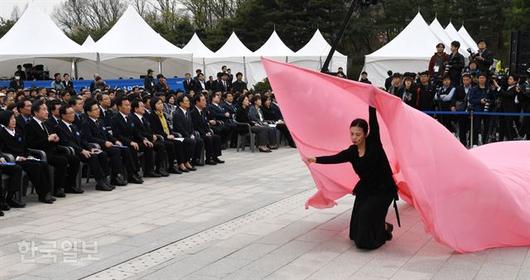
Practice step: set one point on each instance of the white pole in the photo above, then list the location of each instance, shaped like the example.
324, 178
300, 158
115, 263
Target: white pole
245, 68
159, 65
98, 62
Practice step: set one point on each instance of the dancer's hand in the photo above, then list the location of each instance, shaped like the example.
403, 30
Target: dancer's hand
311, 160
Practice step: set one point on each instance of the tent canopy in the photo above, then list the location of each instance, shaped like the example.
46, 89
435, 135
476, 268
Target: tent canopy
317, 46
89, 43
438, 31
131, 36
274, 47
416, 41
197, 47
469, 40
410, 50
46, 39
233, 47
453, 34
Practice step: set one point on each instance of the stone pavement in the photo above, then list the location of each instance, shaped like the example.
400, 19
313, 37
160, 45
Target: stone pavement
241, 220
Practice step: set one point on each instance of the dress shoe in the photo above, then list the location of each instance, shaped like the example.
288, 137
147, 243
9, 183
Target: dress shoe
174, 170
103, 187
135, 179
75, 190
184, 170
1, 214
263, 150
15, 203
197, 163
218, 160
152, 174
118, 180
59, 193
163, 172
46, 199
274, 147
110, 185
211, 162
4, 206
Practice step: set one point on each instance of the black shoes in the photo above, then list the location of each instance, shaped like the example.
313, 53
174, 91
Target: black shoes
75, 190
15, 203
211, 162
174, 170
218, 160
118, 180
46, 199
135, 179
59, 193
162, 172
152, 174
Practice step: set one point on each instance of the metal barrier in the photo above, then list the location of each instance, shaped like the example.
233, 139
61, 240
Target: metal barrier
472, 114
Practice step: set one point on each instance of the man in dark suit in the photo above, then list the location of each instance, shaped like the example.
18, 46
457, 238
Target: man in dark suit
55, 117
239, 85
92, 131
106, 113
212, 142
77, 104
484, 57
149, 82
41, 137
183, 126
70, 136
189, 83
24, 109
220, 121
142, 133
221, 84
123, 132
200, 84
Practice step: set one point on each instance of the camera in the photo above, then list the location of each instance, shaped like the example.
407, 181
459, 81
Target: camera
487, 105
472, 54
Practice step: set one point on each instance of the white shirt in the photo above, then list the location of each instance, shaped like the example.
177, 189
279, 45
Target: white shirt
124, 116
10, 131
41, 124
140, 117
68, 125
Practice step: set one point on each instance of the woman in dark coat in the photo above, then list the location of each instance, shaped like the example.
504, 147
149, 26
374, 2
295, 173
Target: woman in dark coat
12, 142
376, 188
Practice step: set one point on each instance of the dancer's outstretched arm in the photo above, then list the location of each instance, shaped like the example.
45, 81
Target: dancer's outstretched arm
344, 156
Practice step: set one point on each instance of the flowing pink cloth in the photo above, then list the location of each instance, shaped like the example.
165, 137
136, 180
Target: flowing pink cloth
469, 200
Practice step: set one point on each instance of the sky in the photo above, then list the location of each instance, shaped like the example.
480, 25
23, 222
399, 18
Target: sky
6, 6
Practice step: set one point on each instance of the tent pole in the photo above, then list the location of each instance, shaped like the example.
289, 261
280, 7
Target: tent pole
159, 65
204, 66
245, 68
98, 62
72, 73
192, 64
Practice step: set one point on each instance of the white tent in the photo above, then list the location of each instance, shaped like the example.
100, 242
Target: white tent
131, 46
469, 40
274, 48
89, 42
314, 53
36, 39
409, 51
200, 52
444, 37
453, 34
233, 54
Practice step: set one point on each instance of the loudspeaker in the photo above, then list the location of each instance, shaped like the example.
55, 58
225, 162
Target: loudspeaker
520, 53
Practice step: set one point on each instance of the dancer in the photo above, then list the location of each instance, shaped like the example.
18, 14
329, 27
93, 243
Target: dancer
376, 188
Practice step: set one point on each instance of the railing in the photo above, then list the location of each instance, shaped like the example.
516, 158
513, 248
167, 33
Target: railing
472, 115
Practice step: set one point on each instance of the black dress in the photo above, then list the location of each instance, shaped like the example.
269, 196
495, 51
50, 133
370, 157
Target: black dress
375, 190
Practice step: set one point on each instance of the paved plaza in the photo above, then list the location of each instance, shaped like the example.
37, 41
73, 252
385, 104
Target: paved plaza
241, 220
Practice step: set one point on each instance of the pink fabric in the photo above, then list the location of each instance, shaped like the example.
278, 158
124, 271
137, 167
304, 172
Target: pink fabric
469, 200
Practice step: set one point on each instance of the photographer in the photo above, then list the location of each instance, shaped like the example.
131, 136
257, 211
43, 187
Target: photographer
523, 96
444, 100
507, 105
455, 64
437, 64
484, 57
479, 102
461, 103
